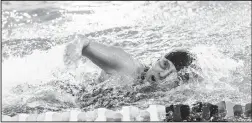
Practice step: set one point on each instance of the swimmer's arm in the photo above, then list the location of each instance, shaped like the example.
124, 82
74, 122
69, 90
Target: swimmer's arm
97, 53
108, 58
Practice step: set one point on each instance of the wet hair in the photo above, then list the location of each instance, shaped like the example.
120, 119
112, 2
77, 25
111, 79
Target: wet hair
180, 58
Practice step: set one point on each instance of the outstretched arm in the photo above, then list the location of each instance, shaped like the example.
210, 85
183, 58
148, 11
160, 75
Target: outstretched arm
109, 58
106, 57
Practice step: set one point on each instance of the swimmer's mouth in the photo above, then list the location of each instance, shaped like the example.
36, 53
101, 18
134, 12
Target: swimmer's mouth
161, 76
165, 74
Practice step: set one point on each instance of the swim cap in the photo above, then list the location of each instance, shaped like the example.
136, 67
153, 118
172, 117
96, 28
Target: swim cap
180, 58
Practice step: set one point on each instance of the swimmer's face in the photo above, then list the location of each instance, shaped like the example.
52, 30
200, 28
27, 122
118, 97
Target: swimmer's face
160, 70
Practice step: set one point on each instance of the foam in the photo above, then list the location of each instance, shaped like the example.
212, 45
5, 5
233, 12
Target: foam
126, 113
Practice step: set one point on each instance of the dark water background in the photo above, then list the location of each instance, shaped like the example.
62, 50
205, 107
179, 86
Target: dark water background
34, 35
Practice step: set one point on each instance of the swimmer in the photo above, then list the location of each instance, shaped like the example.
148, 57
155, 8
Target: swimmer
114, 60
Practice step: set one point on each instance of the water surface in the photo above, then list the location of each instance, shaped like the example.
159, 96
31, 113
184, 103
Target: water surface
35, 33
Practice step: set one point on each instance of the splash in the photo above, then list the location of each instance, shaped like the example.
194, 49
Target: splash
34, 38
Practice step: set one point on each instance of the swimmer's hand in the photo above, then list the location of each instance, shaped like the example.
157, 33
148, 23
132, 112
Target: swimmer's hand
73, 50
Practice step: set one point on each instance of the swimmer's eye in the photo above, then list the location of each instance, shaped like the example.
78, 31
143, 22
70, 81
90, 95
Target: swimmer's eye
166, 65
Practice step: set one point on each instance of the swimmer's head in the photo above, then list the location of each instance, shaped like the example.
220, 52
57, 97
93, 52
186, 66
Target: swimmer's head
160, 70
168, 65
181, 58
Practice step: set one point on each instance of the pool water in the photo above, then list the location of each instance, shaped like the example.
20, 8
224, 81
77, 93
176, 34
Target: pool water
34, 35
